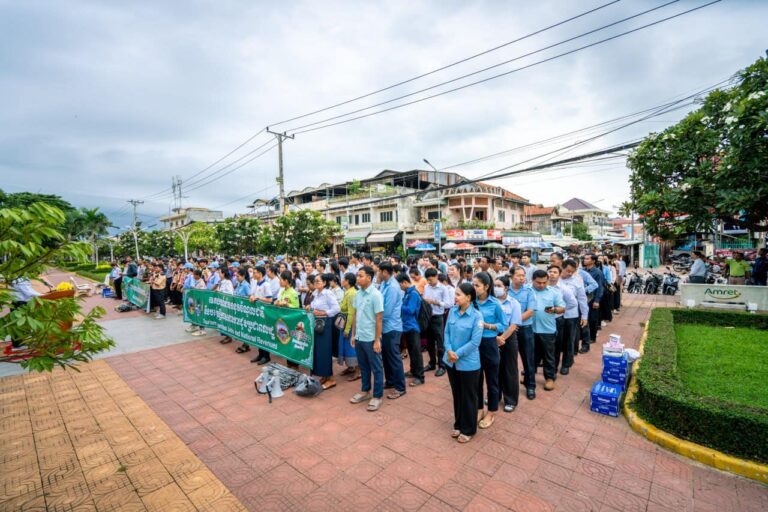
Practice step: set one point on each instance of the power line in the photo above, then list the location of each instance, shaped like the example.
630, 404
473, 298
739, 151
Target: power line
199, 185
447, 66
477, 72
246, 196
596, 43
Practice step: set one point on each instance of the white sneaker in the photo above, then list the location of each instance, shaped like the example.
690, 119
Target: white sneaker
191, 328
201, 332
159, 316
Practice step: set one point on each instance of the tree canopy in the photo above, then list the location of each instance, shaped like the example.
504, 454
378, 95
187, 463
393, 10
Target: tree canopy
712, 166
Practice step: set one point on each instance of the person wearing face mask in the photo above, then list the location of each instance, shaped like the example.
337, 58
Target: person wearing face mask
508, 346
494, 324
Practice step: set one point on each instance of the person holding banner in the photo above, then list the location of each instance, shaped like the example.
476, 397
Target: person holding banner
324, 307
197, 283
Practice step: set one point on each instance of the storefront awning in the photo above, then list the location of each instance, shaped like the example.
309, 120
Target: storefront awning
627, 242
355, 237
382, 237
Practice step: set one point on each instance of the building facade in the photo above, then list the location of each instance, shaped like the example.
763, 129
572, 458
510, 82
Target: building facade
181, 217
399, 209
579, 210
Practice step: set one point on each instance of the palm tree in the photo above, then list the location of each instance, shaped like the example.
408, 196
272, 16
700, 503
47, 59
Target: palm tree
93, 224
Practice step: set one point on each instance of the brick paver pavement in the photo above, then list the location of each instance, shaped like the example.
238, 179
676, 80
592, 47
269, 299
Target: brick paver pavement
85, 441
326, 454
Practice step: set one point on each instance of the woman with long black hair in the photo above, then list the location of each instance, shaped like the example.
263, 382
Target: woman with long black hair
494, 323
463, 333
324, 307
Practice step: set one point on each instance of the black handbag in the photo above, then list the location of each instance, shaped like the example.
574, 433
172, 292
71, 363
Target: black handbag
319, 325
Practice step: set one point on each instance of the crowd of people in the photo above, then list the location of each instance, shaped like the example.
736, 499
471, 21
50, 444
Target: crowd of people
478, 321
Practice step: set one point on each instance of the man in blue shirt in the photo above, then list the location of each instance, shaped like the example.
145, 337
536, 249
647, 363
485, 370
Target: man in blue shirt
549, 304
394, 375
524, 295
365, 336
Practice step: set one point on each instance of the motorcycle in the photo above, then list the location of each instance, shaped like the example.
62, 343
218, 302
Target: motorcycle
652, 283
671, 283
634, 283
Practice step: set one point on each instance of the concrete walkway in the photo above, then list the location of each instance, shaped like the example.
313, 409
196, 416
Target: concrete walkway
326, 454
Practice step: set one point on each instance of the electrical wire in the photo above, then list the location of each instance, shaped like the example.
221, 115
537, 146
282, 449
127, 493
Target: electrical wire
447, 66
558, 56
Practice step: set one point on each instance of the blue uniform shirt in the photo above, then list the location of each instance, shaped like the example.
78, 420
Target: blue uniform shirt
393, 303
543, 322
512, 311
213, 280
189, 282
463, 332
410, 310
524, 296
243, 289
492, 314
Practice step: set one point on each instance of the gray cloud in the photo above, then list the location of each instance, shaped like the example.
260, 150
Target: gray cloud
103, 102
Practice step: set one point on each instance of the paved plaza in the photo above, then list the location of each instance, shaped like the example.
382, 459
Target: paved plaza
181, 427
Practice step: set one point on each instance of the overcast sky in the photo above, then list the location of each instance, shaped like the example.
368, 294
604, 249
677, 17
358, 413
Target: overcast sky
106, 101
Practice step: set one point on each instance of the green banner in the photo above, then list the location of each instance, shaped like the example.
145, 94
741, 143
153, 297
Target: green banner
286, 332
136, 292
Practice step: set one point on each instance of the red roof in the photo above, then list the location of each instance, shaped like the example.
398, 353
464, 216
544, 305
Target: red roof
535, 210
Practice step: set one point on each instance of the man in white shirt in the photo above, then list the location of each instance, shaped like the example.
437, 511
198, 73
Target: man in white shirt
439, 298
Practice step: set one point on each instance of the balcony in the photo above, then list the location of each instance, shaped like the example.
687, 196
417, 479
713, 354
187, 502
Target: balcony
364, 194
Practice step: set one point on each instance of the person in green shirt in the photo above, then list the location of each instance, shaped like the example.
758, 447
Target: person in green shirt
347, 353
288, 296
738, 269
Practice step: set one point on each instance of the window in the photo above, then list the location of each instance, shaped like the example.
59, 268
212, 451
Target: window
357, 220
386, 217
479, 214
512, 218
435, 215
502, 215
338, 220
366, 218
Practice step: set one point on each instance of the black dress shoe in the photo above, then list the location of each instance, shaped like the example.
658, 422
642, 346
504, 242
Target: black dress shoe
259, 360
584, 349
429, 367
530, 394
440, 372
564, 371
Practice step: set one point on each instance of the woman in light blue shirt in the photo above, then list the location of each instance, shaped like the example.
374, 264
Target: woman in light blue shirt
494, 323
509, 373
463, 333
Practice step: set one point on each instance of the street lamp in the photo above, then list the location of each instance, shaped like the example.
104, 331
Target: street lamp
439, 208
132, 229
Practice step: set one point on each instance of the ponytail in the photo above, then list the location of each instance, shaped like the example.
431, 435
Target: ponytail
469, 290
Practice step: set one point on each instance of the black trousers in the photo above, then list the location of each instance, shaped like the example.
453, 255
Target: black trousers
489, 366
606, 306
509, 373
594, 322
413, 345
157, 299
435, 346
464, 387
118, 287
559, 334
565, 343
617, 297
525, 344
547, 344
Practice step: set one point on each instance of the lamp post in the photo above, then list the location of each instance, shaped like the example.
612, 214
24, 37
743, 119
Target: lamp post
439, 209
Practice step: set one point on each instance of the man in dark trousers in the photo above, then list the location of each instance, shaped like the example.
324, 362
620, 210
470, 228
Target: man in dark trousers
594, 300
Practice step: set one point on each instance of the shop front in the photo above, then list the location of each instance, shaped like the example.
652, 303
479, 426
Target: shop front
384, 241
355, 240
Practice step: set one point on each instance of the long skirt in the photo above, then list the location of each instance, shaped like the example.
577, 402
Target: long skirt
323, 354
347, 353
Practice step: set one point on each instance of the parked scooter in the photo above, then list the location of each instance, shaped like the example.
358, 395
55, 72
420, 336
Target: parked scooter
652, 283
671, 283
634, 283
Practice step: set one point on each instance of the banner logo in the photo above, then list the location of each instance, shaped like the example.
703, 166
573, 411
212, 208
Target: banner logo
282, 331
722, 293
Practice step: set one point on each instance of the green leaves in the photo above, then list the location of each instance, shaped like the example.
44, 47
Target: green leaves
31, 238
712, 166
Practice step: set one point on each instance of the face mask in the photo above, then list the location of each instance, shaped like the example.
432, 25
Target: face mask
498, 291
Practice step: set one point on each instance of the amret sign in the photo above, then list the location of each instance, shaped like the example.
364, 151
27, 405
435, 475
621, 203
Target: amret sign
725, 294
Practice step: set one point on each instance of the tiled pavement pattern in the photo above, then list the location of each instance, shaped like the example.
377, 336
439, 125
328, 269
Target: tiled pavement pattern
85, 441
326, 454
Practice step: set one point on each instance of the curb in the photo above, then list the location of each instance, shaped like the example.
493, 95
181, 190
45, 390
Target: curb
697, 452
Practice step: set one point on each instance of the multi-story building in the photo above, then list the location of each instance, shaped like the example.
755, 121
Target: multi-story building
184, 216
396, 208
579, 210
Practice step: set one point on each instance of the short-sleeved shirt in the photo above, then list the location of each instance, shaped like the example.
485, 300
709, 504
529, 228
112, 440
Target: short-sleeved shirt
291, 296
368, 303
737, 268
524, 296
543, 322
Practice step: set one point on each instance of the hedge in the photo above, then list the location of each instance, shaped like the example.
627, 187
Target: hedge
663, 399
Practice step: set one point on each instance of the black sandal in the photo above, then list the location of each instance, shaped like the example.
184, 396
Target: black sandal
242, 349
226, 340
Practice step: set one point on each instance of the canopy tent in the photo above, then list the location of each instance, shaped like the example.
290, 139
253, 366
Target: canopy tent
464, 246
450, 246
493, 245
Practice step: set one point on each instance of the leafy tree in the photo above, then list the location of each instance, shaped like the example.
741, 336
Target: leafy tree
197, 236
31, 237
94, 224
301, 232
239, 235
712, 166
581, 231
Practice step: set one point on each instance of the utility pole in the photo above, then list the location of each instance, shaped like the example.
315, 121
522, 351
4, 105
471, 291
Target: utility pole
439, 222
135, 203
280, 179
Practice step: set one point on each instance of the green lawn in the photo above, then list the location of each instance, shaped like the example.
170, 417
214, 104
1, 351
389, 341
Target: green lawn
726, 363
